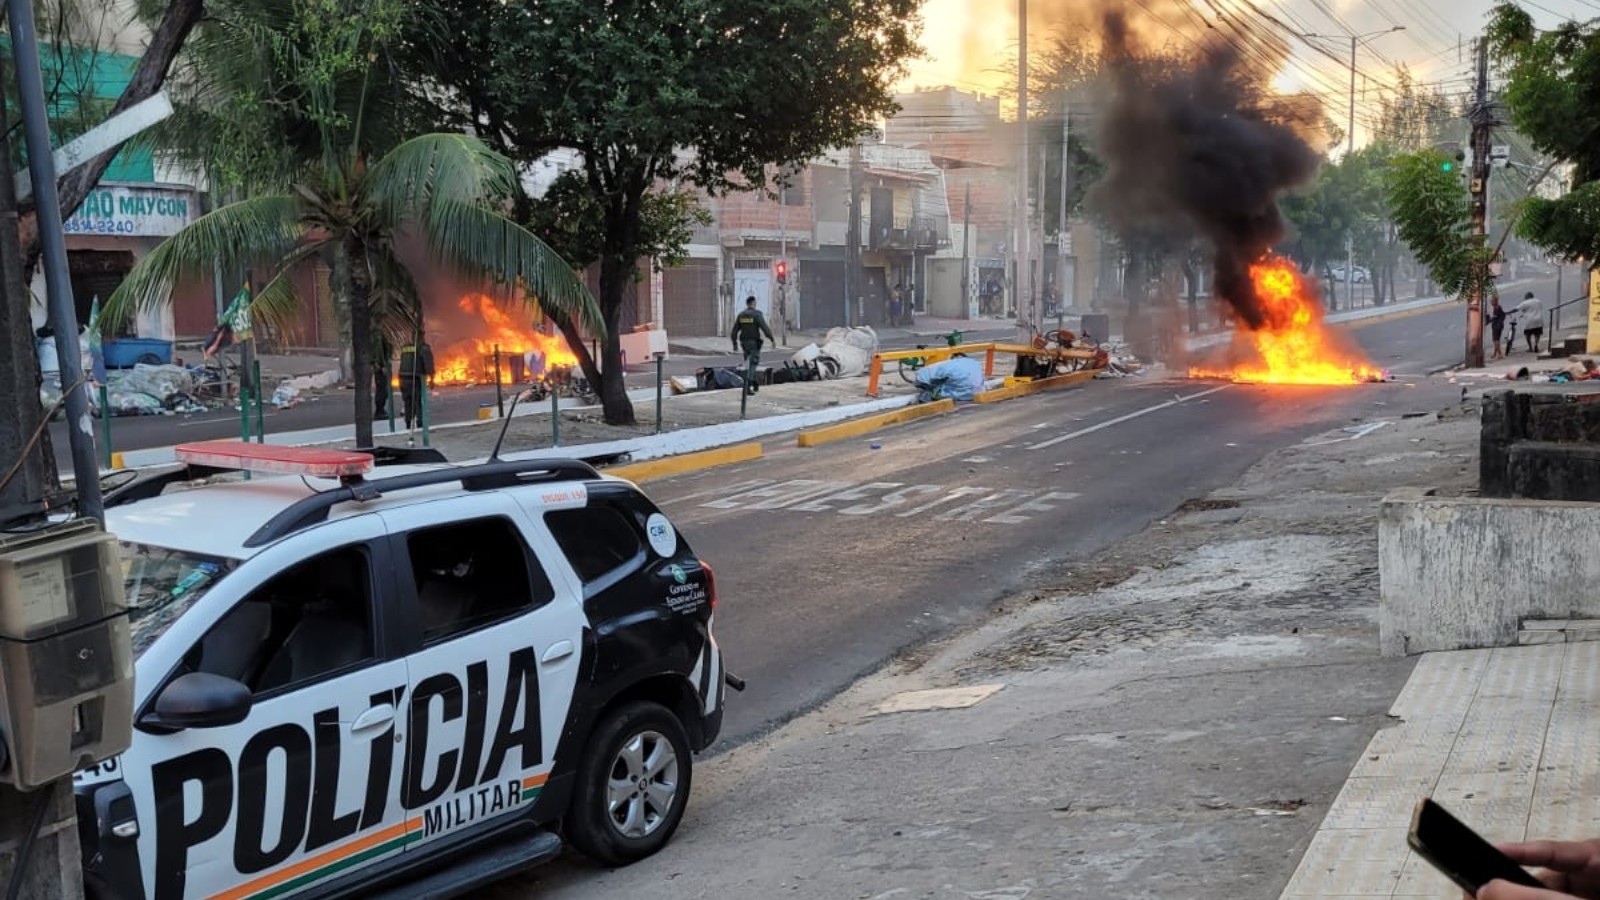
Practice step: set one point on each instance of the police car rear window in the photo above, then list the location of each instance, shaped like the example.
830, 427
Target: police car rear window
596, 539
161, 585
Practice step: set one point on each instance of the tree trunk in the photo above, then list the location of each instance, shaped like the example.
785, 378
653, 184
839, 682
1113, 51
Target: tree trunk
358, 293
19, 366
614, 274
148, 77
1191, 276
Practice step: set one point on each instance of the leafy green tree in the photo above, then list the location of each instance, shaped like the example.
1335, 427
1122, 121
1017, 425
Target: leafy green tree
708, 92
1552, 91
296, 100
570, 217
1433, 215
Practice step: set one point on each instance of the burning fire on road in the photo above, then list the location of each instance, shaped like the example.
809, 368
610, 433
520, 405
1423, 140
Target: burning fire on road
1292, 344
476, 327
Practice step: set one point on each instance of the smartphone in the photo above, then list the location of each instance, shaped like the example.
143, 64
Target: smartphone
1457, 851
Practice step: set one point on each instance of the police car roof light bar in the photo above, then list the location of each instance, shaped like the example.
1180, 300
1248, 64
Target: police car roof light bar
310, 510
268, 458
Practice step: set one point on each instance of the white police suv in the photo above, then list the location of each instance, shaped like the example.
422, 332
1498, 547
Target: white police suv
403, 685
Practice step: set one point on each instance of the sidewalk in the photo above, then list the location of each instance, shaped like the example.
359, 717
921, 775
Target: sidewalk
927, 328
1503, 738
1173, 720
690, 422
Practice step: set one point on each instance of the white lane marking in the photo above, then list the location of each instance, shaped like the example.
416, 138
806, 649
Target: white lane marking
1356, 433
1005, 506
1120, 419
222, 418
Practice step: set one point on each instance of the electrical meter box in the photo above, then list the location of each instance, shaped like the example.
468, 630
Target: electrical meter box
66, 658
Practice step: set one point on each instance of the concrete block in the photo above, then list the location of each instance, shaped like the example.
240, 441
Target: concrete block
1529, 638
1545, 470
1547, 624
1582, 635
1497, 432
1459, 572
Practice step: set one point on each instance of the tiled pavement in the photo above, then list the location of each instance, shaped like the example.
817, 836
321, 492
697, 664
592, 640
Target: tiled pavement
1507, 739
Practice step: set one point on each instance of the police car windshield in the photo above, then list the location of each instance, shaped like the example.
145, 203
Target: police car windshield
162, 585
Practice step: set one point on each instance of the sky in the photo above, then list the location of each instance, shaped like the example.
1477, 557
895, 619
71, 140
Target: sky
967, 40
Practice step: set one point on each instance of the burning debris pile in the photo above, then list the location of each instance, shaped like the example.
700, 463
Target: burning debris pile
1292, 345
475, 325
1198, 149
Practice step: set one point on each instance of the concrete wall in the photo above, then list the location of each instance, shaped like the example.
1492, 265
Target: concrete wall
1465, 572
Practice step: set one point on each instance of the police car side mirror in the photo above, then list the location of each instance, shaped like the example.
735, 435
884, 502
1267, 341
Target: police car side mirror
199, 700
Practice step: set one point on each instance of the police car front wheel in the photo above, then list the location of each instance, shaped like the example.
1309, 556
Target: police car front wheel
632, 786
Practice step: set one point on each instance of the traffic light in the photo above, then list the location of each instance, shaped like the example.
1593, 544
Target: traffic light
1454, 164
783, 271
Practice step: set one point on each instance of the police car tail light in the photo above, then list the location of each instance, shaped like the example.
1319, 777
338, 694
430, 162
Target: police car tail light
243, 456
711, 583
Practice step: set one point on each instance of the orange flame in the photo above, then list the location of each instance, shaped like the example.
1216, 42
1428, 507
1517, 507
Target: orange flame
471, 360
1295, 346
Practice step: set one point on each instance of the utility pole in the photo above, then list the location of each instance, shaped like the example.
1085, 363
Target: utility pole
966, 258
1482, 124
852, 275
1061, 211
1027, 314
53, 247
39, 851
783, 255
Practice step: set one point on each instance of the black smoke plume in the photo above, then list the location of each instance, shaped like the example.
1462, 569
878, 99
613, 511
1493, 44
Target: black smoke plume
1194, 146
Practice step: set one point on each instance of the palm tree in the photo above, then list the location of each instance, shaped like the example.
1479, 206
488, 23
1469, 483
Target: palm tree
311, 78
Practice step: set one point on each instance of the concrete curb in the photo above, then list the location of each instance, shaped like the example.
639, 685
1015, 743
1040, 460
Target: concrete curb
819, 436
1407, 313
685, 463
1033, 387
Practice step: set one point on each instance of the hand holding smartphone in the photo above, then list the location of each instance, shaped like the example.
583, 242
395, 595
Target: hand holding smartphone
1457, 851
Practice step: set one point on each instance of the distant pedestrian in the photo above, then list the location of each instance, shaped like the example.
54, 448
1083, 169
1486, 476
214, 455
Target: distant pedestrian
748, 326
992, 297
1531, 313
416, 367
897, 301
1497, 326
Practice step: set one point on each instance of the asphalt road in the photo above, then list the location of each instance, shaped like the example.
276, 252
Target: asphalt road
453, 404
829, 561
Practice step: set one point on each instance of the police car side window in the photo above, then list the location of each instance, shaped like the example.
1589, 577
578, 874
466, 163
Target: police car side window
597, 540
304, 623
471, 574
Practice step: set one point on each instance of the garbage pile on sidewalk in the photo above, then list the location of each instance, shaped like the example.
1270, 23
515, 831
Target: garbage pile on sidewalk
843, 353
144, 390
1575, 369
164, 390
1122, 363
287, 393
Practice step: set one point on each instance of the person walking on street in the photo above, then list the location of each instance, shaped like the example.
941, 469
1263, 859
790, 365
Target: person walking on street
748, 326
1531, 313
416, 367
1497, 326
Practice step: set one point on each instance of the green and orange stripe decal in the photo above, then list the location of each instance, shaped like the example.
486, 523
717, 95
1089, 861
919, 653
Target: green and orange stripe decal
379, 843
315, 868
533, 785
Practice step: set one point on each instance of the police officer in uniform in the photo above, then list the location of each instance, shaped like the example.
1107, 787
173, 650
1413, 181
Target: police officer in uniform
382, 375
748, 327
416, 367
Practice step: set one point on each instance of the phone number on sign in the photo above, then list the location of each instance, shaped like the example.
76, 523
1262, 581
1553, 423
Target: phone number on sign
99, 226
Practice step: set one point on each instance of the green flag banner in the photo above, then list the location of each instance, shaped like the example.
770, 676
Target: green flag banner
237, 315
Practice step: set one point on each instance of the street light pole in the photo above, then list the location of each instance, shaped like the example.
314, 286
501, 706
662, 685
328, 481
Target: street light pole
1356, 40
1026, 314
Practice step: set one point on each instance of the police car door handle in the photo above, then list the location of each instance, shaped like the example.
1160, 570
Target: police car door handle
376, 717
558, 651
